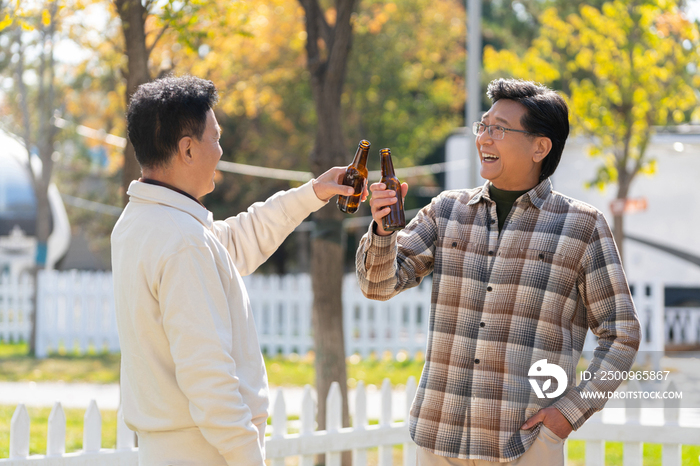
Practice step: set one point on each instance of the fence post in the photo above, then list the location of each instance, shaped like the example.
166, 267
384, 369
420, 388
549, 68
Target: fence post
25, 305
658, 327
279, 422
409, 449
125, 437
334, 420
633, 452
308, 422
40, 309
671, 454
19, 433
595, 449
92, 429
385, 421
56, 435
359, 422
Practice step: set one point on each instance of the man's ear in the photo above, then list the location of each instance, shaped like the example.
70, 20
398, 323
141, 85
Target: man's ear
184, 147
542, 147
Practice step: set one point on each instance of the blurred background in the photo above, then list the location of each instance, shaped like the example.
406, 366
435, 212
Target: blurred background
413, 79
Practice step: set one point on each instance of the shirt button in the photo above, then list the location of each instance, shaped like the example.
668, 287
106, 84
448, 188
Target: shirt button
454, 245
490, 253
541, 256
476, 361
482, 324
492, 222
488, 288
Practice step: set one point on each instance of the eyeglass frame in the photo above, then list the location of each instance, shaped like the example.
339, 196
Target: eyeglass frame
477, 124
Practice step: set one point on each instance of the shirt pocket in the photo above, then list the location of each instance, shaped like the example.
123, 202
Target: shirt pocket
549, 271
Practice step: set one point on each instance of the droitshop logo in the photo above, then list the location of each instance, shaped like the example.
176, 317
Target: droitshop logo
542, 368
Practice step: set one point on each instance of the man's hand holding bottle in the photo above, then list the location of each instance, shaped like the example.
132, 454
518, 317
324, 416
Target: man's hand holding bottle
380, 201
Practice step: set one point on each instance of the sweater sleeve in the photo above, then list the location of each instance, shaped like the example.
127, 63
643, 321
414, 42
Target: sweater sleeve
611, 317
251, 237
196, 320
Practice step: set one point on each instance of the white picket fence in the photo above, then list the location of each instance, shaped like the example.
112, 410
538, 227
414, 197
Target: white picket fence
282, 310
15, 306
307, 442
76, 312
92, 452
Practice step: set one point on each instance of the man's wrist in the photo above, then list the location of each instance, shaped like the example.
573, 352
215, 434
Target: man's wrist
375, 230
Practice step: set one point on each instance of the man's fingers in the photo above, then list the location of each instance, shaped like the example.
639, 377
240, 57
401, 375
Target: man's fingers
534, 420
377, 187
379, 203
404, 189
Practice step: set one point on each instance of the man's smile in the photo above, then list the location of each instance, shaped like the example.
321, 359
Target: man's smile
486, 157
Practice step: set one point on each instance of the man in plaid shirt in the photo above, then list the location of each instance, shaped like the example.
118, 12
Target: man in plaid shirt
520, 273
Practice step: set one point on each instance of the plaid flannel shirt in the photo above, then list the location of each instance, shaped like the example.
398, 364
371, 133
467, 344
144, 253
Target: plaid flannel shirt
499, 305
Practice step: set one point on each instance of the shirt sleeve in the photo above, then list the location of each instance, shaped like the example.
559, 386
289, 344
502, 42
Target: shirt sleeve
387, 265
196, 320
611, 317
251, 237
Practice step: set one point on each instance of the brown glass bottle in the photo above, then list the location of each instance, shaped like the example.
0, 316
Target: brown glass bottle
396, 220
355, 176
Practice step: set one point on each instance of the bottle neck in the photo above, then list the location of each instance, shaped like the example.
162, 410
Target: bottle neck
387, 165
360, 159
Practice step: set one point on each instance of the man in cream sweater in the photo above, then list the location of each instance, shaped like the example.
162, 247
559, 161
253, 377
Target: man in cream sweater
193, 380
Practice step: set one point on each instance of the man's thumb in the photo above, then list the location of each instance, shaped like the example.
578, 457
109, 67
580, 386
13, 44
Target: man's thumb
532, 421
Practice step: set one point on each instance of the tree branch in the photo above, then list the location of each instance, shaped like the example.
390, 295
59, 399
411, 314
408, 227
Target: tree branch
311, 10
158, 37
327, 33
342, 39
23, 94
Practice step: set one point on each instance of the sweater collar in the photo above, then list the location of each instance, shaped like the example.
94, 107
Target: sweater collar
157, 194
537, 195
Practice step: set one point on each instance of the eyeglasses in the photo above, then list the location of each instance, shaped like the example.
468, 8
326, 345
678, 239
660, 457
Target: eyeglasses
495, 131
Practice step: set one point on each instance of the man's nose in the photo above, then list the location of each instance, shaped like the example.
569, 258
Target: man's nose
484, 137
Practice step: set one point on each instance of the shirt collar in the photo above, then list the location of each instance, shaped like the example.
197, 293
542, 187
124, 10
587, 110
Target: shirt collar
537, 195
169, 186
154, 194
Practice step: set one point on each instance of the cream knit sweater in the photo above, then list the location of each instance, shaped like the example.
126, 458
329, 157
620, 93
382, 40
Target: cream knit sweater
193, 381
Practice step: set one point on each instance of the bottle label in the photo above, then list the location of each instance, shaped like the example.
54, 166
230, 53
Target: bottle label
355, 179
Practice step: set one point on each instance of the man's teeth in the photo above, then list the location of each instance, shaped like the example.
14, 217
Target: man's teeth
490, 157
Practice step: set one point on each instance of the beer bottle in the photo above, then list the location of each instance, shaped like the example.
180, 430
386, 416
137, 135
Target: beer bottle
396, 220
355, 176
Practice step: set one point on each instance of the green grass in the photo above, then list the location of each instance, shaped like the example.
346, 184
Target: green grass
38, 418
613, 454
17, 366
297, 372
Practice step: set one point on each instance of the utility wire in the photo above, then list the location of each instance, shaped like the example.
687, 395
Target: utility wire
92, 205
265, 172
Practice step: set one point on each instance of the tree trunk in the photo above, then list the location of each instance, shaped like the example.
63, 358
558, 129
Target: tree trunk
327, 262
45, 141
327, 50
623, 186
133, 17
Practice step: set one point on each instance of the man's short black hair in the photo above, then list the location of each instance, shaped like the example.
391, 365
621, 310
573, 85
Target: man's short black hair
164, 111
547, 114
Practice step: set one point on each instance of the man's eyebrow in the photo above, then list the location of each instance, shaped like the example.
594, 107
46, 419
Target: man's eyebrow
499, 119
